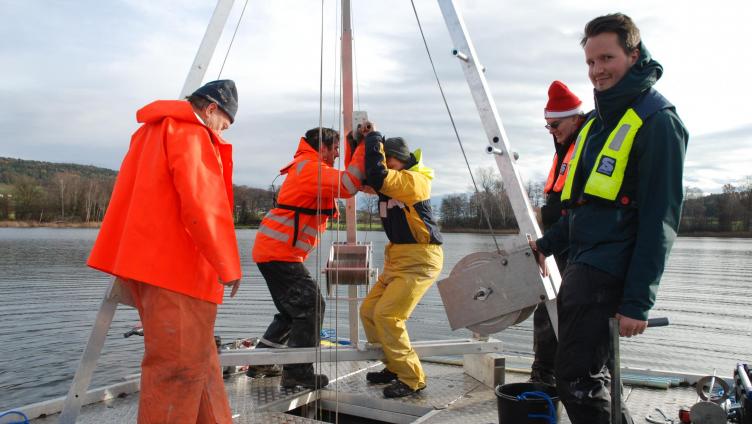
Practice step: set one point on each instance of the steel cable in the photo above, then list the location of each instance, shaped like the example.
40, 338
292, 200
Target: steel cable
240, 19
454, 126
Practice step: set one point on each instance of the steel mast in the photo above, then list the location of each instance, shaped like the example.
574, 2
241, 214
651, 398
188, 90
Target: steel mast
351, 216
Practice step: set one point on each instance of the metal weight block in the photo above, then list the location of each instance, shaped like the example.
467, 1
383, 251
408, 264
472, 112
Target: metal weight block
487, 292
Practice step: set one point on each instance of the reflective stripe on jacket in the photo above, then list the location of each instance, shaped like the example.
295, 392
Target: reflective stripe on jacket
290, 231
169, 222
557, 175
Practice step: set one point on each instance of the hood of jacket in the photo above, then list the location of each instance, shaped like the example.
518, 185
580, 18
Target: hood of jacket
160, 109
416, 164
610, 104
180, 110
304, 151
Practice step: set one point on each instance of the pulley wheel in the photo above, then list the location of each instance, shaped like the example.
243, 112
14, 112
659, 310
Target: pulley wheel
705, 392
500, 323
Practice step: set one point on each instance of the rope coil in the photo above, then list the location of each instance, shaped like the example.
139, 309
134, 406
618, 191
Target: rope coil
551, 416
21, 414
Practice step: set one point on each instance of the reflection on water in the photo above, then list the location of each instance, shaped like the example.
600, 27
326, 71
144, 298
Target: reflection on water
48, 300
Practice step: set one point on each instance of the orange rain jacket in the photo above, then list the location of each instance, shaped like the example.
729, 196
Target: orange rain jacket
292, 229
556, 177
169, 222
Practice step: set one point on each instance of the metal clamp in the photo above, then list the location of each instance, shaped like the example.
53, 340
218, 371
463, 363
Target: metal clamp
463, 57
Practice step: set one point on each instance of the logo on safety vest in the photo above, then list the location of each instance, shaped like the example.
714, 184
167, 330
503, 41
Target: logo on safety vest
606, 166
563, 169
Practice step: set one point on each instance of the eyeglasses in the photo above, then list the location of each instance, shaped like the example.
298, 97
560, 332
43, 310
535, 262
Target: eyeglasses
553, 125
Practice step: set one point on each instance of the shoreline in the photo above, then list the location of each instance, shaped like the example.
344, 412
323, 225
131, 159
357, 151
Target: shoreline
506, 231
58, 224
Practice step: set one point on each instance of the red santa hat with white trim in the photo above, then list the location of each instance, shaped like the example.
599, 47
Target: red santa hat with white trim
561, 102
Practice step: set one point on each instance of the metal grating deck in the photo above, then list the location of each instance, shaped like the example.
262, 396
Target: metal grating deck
451, 397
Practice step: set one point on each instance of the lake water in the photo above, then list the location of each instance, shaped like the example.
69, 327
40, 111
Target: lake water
49, 298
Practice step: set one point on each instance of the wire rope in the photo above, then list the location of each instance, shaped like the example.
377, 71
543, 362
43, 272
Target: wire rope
318, 209
354, 58
337, 111
454, 126
335, 108
240, 19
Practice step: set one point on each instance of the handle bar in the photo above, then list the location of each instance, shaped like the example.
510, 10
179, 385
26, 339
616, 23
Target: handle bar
658, 322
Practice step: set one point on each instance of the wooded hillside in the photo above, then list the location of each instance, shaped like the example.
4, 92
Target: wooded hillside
54, 192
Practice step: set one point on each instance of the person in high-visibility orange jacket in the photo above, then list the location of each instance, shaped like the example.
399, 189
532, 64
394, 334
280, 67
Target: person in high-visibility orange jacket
168, 235
288, 233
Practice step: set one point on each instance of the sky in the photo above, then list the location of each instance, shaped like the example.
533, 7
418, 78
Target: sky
75, 72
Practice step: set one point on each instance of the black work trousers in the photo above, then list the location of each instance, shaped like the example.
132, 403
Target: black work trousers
544, 338
587, 299
301, 309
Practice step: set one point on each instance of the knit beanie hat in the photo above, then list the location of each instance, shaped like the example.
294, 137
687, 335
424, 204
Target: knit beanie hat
223, 93
561, 102
397, 147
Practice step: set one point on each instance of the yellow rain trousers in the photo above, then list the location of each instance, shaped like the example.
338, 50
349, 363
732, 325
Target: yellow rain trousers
409, 270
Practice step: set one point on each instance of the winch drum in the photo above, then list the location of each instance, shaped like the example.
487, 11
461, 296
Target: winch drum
487, 292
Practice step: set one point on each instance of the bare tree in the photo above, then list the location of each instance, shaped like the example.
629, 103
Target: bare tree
89, 203
454, 208
727, 207
694, 211
535, 193
372, 207
745, 192
27, 197
68, 186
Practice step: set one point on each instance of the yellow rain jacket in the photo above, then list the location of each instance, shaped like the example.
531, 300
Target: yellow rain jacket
404, 196
412, 260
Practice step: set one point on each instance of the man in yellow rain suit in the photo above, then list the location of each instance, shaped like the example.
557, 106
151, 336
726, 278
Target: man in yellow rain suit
412, 259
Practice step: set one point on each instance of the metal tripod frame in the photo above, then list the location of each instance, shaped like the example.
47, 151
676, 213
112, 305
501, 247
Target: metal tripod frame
498, 145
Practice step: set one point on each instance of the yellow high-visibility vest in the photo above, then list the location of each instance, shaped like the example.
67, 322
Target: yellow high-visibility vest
607, 176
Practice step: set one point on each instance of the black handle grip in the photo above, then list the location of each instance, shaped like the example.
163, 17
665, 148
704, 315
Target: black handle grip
658, 322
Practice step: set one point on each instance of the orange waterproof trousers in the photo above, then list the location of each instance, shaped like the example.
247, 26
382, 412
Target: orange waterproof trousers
181, 380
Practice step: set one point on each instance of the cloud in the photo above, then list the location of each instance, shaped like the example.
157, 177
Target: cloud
708, 164
77, 72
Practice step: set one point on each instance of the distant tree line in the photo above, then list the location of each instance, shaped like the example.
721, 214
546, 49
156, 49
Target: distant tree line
490, 203
45, 192
727, 212
53, 192
251, 204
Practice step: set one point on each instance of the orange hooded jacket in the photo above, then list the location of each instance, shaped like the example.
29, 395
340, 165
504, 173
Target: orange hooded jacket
290, 231
169, 222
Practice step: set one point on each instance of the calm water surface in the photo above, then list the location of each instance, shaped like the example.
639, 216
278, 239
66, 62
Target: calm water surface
49, 298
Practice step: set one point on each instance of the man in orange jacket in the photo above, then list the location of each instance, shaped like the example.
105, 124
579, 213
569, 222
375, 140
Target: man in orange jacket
168, 235
288, 233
